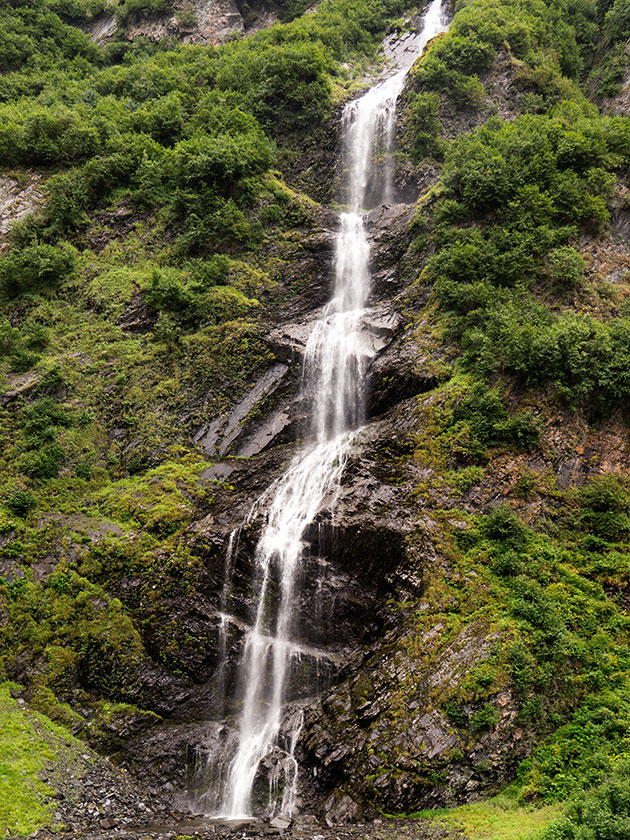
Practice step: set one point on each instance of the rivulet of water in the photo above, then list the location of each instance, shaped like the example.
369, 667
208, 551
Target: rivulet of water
335, 366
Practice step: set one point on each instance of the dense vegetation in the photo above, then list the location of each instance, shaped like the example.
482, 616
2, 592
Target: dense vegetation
521, 299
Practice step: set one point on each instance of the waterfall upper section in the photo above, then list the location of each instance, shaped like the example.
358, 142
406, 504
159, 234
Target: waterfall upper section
334, 386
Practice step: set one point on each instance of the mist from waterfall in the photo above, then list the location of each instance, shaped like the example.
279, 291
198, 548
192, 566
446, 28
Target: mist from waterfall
334, 380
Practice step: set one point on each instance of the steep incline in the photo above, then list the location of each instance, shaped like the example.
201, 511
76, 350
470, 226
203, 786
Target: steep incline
473, 583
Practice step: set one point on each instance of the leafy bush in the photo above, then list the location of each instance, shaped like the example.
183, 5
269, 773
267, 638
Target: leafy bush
484, 718
600, 814
193, 297
34, 34
545, 176
41, 423
617, 21
502, 525
606, 508
422, 125
20, 502
35, 267
565, 266
285, 84
480, 419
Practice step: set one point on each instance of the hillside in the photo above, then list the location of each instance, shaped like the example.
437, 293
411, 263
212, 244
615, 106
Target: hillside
169, 198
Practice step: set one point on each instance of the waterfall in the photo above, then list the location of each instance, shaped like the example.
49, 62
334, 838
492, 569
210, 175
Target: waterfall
335, 365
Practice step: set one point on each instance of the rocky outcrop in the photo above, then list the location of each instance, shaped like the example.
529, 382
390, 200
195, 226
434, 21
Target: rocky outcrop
205, 22
18, 198
381, 739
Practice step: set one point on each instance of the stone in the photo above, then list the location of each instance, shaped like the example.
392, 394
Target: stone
108, 822
282, 822
18, 198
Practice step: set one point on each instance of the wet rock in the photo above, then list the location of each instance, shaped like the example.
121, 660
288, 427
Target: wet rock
341, 808
400, 372
388, 229
283, 427
288, 342
281, 822
138, 316
221, 433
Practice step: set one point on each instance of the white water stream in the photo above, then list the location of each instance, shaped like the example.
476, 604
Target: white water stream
336, 359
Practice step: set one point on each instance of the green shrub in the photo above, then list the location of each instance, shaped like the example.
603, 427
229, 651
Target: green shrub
20, 502
600, 814
35, 268
41, 423
606, 508
545, 176
286, 84
484, 718
43, 463
422, 126
565, 267
507, 564
502, 525
480, 419
22, 360
617, 22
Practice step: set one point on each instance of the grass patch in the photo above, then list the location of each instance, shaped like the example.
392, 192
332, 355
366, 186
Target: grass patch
28, 743
497, 819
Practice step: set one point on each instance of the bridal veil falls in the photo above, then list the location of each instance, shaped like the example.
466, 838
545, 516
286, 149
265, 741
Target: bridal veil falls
334, 387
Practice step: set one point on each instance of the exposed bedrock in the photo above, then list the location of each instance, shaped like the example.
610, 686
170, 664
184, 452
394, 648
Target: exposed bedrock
380, 739
271, 412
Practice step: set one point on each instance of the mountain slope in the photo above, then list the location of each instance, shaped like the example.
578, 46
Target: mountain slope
155, 308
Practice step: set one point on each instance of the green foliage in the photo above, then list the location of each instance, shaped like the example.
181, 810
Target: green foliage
178, 129
41, 424
611, 73
583, 752
480, 420
422, 125
600, 814
35, 268
565, 267
77, 630
484, 718
286, 84
20, 502
22, 346
547, 38
33, 34
605, 503
617, 21
194, 297
568, 644
546, 177
502, 525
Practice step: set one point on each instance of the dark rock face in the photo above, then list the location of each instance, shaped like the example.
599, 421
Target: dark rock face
396, 374
138, 317
359, 740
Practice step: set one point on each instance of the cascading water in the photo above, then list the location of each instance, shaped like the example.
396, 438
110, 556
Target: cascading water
335, 364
